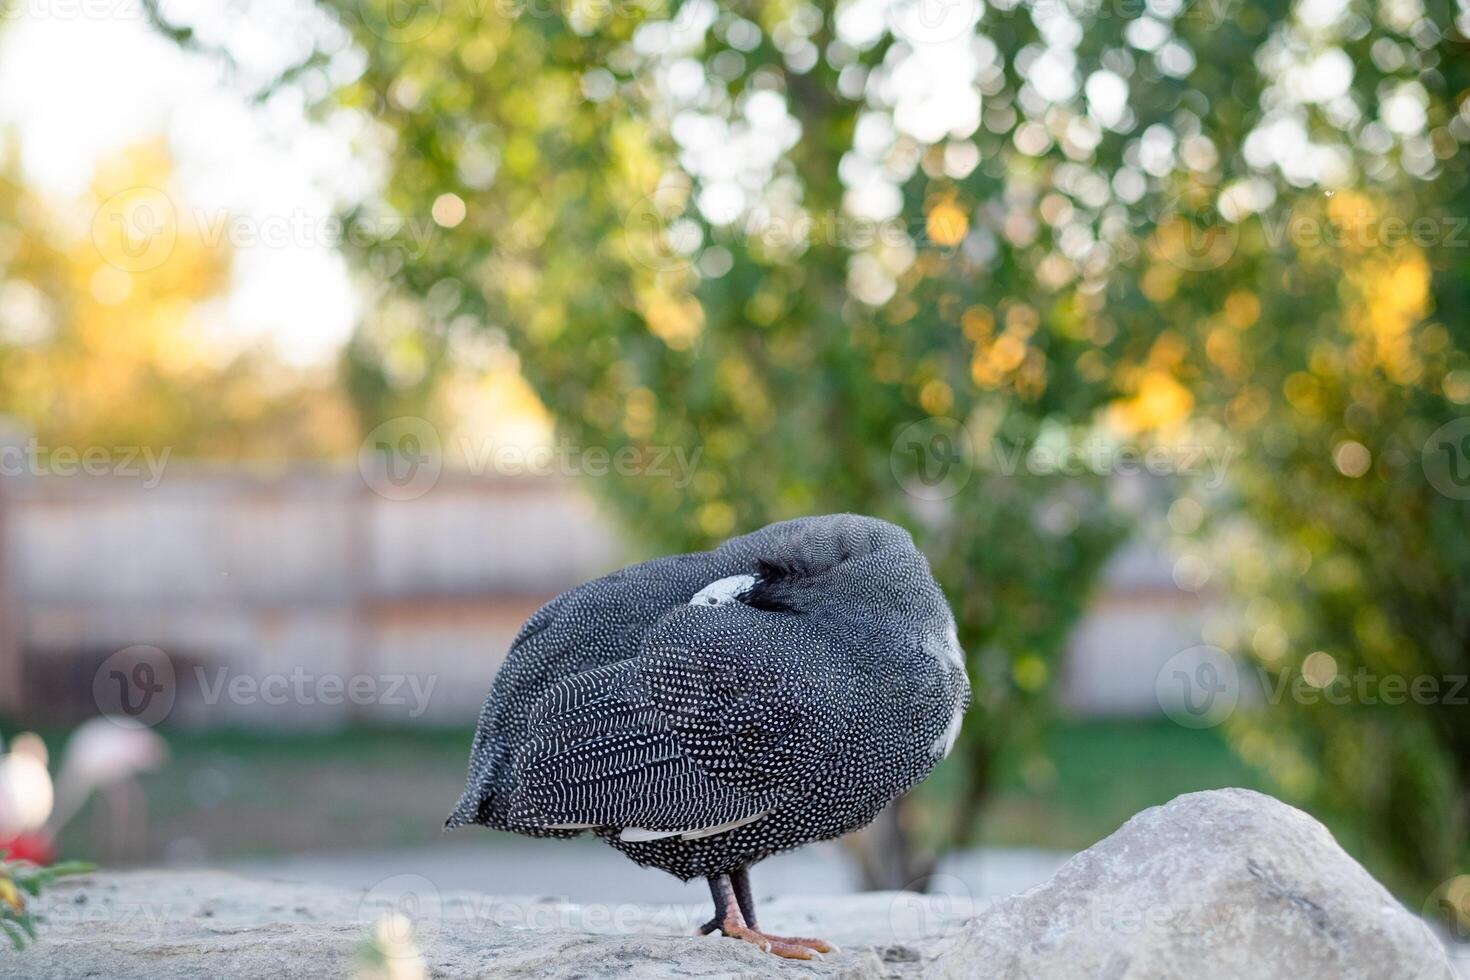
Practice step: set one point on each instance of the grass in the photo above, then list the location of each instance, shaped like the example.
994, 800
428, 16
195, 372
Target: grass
237, 793
228, 794
1096, 774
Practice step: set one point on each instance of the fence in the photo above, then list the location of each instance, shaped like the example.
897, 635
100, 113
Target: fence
302, 578
272, 594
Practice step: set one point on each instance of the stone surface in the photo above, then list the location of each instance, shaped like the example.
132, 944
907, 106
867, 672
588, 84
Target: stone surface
157, 925
1227, 884
1224, 885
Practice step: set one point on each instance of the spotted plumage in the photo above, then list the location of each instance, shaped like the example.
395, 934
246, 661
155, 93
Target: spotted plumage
702, 712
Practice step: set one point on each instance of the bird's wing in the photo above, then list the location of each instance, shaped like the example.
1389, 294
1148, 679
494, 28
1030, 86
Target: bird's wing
593, 625
758, 699
726, 712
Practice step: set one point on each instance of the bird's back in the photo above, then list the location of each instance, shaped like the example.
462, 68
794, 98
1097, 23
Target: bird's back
701, 739
596, 624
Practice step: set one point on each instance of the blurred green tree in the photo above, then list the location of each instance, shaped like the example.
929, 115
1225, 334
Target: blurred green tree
1325, 336
774, 337
105, 313
867, 255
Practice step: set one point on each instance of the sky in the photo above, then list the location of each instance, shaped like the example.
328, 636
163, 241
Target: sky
80, 81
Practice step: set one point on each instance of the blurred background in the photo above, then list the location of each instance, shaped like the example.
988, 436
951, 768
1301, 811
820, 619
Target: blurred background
336, 337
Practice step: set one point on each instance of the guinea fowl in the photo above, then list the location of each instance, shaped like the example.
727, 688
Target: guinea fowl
702, 712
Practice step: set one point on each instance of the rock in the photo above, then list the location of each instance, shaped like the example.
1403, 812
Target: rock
161, 925
1226, 884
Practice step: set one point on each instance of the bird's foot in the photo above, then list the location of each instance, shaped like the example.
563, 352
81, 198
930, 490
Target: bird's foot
790, 947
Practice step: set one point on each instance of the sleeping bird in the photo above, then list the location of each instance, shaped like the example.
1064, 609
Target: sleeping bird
702, 712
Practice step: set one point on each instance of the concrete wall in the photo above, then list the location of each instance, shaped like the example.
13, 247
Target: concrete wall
1139, 620
303, 575
271, 593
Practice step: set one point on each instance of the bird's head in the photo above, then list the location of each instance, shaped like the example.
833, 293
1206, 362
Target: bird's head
770, 588
732, 588
840, 565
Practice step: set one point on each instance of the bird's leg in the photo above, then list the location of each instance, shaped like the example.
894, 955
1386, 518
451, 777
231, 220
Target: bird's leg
721, 896
735, 917
741, 880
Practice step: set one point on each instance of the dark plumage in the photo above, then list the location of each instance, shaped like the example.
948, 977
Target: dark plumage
702, 712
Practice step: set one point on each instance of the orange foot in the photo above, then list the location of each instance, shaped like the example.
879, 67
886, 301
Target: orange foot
790, 947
